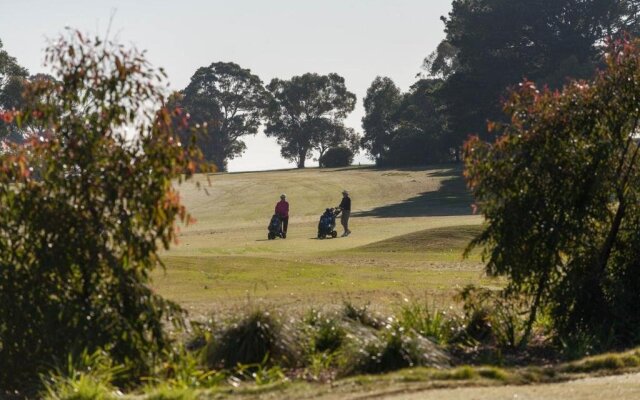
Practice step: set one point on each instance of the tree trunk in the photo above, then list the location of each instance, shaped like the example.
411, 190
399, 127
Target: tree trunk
220, 164
596, 299
607, 247
321, 151
605, 252
534, 310
302, 158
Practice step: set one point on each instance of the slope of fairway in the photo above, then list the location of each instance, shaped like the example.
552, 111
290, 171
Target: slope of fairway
448, 238
409, 226
242, 199
232, 212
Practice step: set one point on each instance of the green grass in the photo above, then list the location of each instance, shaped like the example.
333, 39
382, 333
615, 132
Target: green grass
610, 362
218, 281
410, 228
451, 239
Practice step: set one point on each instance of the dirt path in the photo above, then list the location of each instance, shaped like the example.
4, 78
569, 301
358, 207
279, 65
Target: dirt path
620, 387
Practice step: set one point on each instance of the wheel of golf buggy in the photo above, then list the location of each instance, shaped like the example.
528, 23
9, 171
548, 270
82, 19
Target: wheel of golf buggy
334, 234
271, 236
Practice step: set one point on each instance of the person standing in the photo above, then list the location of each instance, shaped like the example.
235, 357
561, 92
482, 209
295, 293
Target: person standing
345, 208
282, 211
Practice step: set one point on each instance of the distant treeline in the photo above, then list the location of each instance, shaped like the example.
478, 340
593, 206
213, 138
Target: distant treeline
490, 45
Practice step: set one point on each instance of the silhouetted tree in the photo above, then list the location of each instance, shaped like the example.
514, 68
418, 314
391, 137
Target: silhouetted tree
404, 129
381, 105
307, 113
227, 101
491, 45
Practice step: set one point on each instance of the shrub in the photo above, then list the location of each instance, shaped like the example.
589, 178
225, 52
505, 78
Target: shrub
85, 210
559, 194
335, 157
257, 339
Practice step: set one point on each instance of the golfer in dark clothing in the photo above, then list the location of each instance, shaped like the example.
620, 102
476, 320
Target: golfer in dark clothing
345, 207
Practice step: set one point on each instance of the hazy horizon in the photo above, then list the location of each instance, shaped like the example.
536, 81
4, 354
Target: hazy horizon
358, 39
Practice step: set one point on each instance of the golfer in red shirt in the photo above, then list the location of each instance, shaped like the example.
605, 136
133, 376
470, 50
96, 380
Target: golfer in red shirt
282, 211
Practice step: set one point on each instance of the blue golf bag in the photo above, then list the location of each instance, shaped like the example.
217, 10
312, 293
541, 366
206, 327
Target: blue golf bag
275, 227
327, 224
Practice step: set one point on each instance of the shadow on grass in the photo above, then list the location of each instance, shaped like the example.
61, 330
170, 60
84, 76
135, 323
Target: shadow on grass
452, 198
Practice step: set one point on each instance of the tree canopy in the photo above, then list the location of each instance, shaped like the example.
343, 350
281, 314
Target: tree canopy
559, 191
404, 128
227, 101
12, 77
381, 106
491, 45
307, 113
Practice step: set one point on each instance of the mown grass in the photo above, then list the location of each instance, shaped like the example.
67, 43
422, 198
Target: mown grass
451, 239
407, 239
209, 283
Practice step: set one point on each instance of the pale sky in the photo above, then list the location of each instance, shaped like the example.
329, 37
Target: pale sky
358, 39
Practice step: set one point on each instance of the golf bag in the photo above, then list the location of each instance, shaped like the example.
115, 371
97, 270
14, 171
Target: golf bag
275, 228
327, 224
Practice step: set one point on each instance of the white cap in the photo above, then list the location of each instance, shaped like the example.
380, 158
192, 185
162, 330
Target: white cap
282, 196
345, 192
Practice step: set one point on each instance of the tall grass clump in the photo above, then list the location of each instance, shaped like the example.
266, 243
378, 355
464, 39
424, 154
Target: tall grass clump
393, 348
361, 315
326, 332
85, 377
257, 338
184, 369
495, 317
437, 325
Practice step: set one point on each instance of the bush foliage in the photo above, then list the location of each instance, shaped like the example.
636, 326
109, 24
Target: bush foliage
86, 205
335, 157
560, 193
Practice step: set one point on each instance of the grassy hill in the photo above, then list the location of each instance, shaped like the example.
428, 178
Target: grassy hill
409, 226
